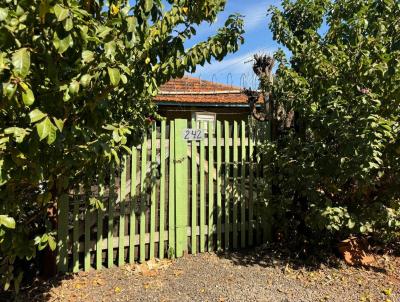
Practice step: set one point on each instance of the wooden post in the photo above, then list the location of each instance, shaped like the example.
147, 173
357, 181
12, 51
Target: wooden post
153, 164
162, 191
181, 187
100, 217
171, 192
226, 184
194, 194
132, 223
63, 209
235, 185
110, 233
210, 187
219, 187
202, 193
122, 205
143, 193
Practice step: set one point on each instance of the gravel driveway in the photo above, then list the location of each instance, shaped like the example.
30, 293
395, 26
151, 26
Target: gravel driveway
228, 277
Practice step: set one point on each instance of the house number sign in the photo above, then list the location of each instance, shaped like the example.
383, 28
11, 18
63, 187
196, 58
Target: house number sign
193, 134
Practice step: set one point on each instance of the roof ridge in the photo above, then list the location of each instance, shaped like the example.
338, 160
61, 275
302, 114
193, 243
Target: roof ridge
210, 84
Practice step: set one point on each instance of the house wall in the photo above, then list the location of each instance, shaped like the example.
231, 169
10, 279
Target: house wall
222, 113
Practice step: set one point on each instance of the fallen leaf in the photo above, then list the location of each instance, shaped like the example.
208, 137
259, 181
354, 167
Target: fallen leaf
117, 290
178, 273
387, 291
150, 273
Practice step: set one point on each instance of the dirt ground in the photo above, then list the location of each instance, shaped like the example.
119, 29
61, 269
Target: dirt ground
253, 276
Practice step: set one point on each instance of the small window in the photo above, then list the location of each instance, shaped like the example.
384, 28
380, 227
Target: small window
204, 117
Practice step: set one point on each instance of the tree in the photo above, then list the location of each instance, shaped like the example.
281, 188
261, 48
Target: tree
77, 79
336, 172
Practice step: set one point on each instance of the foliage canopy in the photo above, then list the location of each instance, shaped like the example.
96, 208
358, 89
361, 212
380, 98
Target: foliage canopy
336, 171
77, 79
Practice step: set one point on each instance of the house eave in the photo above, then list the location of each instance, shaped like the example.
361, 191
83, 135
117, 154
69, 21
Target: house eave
196, 104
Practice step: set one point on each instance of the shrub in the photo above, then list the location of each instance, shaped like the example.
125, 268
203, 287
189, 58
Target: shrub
77, 79
336, 172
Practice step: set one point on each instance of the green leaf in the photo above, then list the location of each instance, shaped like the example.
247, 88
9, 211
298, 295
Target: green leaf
87, 56
36, 115
74, 87
59, 123
7, 221
9, 90
21, 60
3, 13
66, 96
3, 61
68, 24
116, 157
103, 31
124, 79
109, 49
52, 134
18, 133
116, 136
62, 44
132, 21
114, 75
148, 5
44, 128
27, 95
60, 12
85, 80
351, 224
52, 243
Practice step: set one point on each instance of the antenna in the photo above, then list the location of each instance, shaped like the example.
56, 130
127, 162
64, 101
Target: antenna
229, 77
212, 80
243, 80
200, 82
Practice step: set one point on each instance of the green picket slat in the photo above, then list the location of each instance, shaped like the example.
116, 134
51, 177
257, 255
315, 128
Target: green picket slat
235, 185
110, 232
75, 238
210, 186
153, 189
132, 217
258, 224
122, 202
62, 231
181, 188
143, 175
242, 186
100, 216
162, 191
219, 189
202, 194
227, 186
194, 194
171, 192
251, 183
87, 239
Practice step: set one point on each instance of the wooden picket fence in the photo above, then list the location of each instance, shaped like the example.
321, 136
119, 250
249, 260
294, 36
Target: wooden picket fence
171, 196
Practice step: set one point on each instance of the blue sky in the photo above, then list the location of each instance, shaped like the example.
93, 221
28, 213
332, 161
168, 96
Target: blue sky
258, 38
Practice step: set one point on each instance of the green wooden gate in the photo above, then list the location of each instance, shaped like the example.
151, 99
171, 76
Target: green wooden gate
170, 197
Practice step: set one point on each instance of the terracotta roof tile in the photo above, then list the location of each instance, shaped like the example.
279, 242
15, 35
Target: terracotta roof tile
195, 90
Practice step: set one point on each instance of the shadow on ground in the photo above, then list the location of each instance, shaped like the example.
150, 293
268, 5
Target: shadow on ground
36, 290
277, 262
